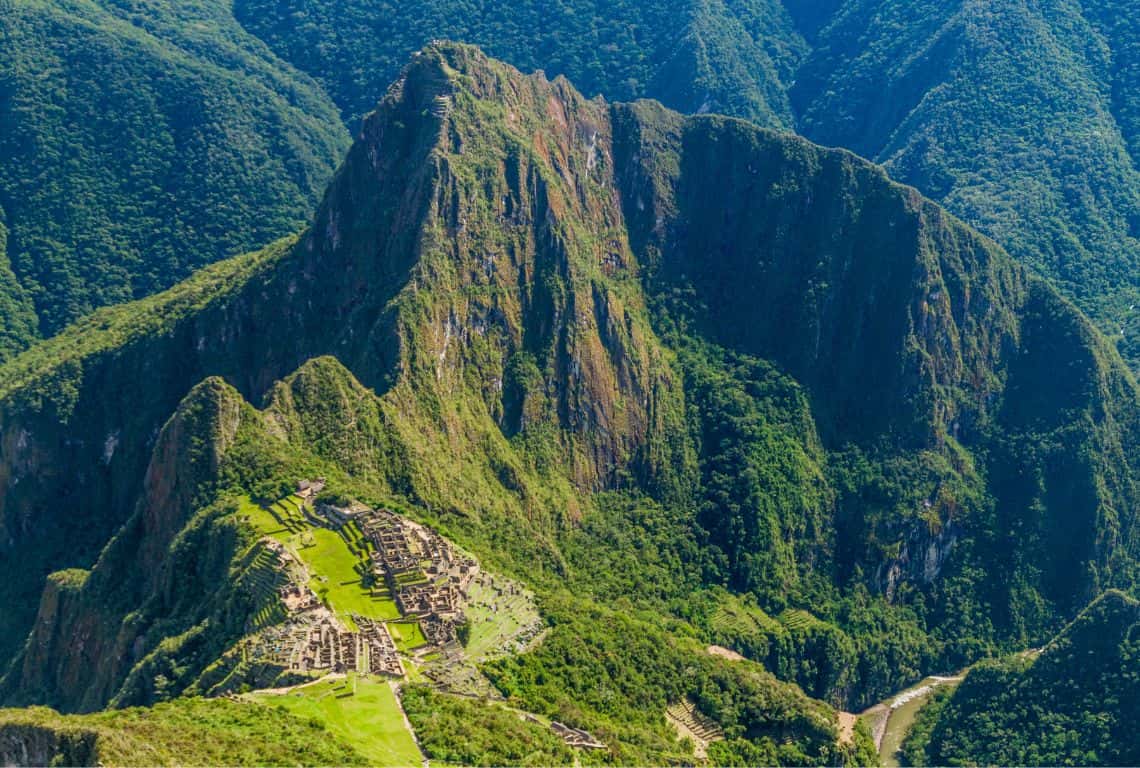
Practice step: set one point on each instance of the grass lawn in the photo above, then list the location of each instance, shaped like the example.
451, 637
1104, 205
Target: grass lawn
265, 521
336, 580
331, 562
407, 635
370, 721
193, 732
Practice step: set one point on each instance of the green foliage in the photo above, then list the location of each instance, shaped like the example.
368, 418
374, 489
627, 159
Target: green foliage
727, 57
1019, 117
614, 674
1076, 703
55, 365
1045, 164
764, 498
461, 731
185, 732
18, 329
913, 751
362, 714
895, 467
141, 142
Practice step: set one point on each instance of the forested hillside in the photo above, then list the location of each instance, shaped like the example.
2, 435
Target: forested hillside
1075, 703
140, 142
1021, 118
733, 57
799, 412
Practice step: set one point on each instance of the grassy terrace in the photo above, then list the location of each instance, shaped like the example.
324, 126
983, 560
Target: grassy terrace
363, 714
407, 635
491, 628
335, 562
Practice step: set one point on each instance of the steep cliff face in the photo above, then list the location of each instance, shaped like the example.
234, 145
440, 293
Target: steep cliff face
472, 222
1044, 164
532, 297
34, 744
83, 642
916, 339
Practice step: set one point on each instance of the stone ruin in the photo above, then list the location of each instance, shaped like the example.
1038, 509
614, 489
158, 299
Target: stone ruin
427, 577
574, 737
382, 657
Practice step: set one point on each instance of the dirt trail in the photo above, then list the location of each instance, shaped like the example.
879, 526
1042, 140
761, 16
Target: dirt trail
724, 653
847, 722
395, 685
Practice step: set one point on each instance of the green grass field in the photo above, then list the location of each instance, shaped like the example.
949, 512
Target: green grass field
266, 522
368, 720
336, 580
407, 635
331, 561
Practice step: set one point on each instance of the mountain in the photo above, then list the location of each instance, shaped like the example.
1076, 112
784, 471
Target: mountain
691, 381
140, 142
731, 57
1074, 703
1020, 118
1045, 163
1015, 115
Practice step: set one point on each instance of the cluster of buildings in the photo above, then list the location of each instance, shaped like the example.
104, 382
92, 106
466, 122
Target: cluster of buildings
313, 640
427, 577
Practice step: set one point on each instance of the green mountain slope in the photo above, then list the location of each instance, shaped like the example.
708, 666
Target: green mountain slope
1016, 116
1074, 704
15, 306
173, 597
185, 732
1020, 118
852, 438
694, 56
140, 142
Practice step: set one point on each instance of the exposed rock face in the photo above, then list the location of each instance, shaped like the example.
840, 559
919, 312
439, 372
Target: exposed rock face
31, 745
501, 260
82, 644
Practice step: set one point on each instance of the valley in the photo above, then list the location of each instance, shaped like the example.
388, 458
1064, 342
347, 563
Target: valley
538, 447
891, 719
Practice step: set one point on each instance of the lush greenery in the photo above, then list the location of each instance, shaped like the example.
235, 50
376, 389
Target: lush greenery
140, 142
1045, 161
691, 55
1074, 704
360, 713
614, 674
802, 413
1019, 117
454, 730
19, 326
185, 732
